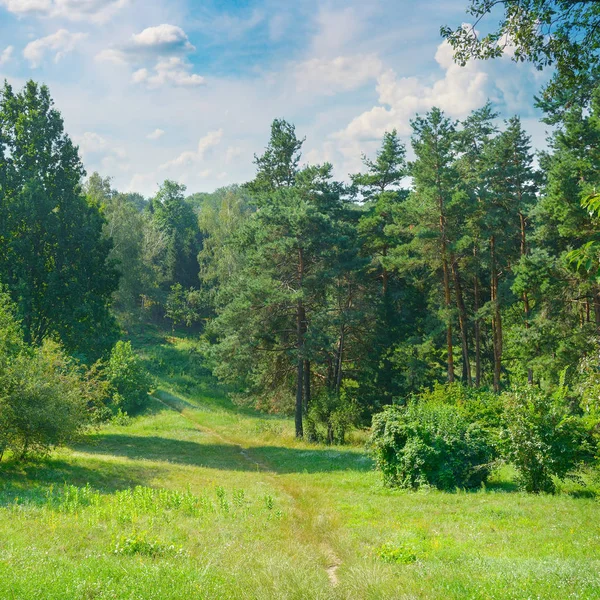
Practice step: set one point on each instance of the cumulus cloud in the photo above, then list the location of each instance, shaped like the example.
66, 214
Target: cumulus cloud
98, 152
169, 71
343, 73
75, 10
155, 135
6, 55
163, 39
193, 157
60, 43
458, 92
91, 142
157, 52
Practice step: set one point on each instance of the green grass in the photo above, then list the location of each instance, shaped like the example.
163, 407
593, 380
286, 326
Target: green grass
199, 498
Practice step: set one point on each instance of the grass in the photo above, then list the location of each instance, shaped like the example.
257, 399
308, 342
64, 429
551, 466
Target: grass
198, 498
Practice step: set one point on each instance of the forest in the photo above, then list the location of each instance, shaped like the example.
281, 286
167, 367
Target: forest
440, 309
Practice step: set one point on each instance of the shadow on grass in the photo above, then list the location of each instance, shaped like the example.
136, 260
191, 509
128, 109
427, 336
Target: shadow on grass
32, 480
225, 456
211, 399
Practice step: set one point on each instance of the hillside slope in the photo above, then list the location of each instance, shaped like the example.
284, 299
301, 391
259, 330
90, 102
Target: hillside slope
198, 498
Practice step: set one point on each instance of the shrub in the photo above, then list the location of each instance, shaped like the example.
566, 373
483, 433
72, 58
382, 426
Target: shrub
429, 443
477, 405
542, 438
44, 401
128, 381
330, 415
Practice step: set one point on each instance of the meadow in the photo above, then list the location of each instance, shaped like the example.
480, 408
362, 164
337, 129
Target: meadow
200, 498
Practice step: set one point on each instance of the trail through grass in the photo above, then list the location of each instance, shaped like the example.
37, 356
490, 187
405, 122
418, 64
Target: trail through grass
198, 498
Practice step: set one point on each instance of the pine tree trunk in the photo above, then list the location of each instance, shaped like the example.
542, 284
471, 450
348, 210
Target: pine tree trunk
462, 322
300, 329
447, 298
496, 318
477, 325
339, 356
299, 407
525, 297
306, 386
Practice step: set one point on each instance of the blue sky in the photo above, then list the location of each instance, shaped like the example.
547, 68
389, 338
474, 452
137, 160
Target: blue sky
187, 89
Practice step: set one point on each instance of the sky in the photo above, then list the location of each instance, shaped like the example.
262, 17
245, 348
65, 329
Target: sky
187, 89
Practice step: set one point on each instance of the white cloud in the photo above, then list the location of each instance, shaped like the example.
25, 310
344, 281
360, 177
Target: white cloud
157, 54
163, 39
74, 10
458, 92
156, 134
91, 142
62, 42
188, 158
343, 73
6, 55
169, 71
97, 152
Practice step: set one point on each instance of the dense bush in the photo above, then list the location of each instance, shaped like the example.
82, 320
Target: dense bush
45, 397
477, 405
543, 438
44, 402
429, 443
128, 381
330, 415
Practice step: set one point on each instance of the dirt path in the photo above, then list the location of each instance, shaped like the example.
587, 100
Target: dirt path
334, 562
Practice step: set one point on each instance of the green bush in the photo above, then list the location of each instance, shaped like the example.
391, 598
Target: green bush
43, 401
429, 443
477, 405
45, 397
128, 381
330, 415
543, 438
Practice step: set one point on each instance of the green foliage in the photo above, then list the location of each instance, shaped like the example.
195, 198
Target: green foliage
543, 438
330, 415
128, 381
184, 306
391, 553
476, 405
44, 401
562, 33
428, 443
53, 254
139, 544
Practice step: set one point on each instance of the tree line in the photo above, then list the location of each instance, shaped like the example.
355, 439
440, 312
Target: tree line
317, 297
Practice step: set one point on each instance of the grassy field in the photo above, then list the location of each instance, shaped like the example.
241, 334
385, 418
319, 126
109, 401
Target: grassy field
198, 498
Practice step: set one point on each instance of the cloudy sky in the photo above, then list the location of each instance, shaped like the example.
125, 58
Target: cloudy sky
187, 89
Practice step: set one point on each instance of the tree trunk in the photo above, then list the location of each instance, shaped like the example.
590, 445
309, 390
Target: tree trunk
496, 318
477, 325
527, 325
447, 299
300, 329
462, 322
447, 302
306, 386
525, 297
339, 356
